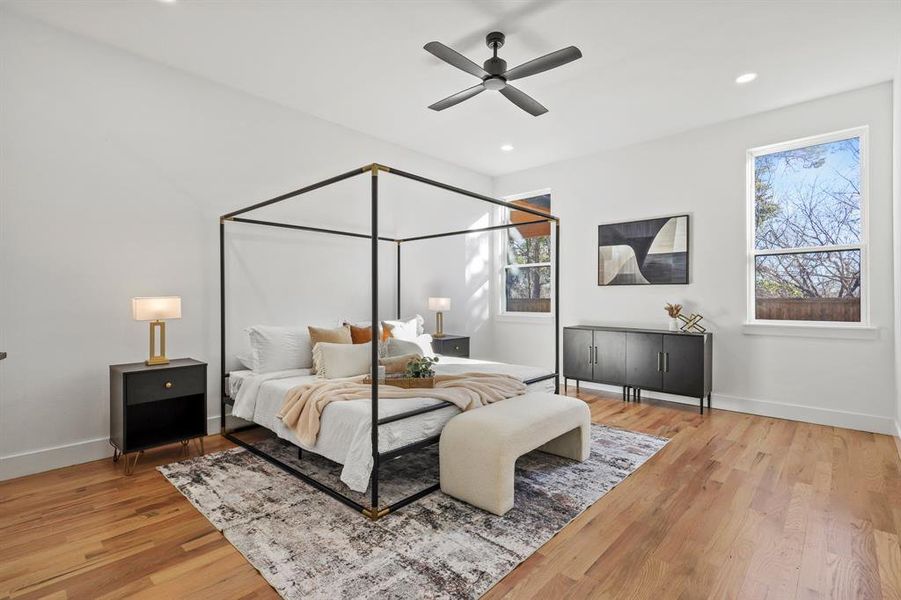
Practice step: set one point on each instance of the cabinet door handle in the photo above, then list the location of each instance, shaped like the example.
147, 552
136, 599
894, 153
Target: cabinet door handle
659, 361
589, 355
666, 362
595, 355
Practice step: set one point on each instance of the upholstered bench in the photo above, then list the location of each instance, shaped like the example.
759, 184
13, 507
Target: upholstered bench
479, 448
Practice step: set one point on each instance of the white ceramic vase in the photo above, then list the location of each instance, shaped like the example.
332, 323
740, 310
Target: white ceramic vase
674, 325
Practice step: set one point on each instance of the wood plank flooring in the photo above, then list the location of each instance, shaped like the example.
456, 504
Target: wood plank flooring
735, 506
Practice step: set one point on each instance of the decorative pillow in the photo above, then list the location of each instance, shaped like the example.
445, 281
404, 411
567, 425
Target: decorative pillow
362, 334
335, 335
279, 348
398, 364
405, 329
397, 347
333, 361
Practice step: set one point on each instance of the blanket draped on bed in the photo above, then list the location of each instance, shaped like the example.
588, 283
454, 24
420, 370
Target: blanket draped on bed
304, 404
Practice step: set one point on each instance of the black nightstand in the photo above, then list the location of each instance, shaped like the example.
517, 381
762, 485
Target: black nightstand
451, 345
156, 405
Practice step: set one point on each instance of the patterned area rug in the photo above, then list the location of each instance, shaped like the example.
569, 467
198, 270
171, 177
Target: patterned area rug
308, 545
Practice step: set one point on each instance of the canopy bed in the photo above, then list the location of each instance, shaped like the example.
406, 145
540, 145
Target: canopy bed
406, 425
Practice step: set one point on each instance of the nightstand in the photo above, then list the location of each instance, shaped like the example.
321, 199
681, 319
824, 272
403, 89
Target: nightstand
451, 345
156, 405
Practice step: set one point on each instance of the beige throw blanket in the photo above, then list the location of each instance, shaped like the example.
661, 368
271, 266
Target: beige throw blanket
304, 404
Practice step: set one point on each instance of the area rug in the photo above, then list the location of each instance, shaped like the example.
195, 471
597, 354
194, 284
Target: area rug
307, 545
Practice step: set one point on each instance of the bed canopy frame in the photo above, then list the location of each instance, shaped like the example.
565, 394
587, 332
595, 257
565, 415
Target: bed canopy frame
374, 510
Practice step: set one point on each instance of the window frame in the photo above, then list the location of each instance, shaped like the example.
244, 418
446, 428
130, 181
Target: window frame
862, 133
503, 216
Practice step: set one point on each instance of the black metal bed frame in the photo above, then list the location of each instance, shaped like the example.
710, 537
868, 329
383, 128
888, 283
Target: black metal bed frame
374, 511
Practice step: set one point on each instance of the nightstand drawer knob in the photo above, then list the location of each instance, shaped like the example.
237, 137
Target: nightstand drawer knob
456, 347
168, 385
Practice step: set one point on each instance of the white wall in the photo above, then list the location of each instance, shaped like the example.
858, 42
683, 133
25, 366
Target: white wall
896, 205
114, 173
702, 172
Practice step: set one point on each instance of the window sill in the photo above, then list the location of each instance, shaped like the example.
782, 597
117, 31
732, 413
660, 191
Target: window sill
523, 317
813, 330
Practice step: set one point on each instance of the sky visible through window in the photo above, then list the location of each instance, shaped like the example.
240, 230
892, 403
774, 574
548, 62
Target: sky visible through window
808, 198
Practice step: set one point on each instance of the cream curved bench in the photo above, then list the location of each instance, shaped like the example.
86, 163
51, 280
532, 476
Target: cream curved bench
479, 448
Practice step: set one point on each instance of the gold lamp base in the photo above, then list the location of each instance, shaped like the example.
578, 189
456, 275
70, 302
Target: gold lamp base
157, 359
439, 325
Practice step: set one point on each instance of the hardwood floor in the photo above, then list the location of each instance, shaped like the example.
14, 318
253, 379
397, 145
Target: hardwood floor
735, 506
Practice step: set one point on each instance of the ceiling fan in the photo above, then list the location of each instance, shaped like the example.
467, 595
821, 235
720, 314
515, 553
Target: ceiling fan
494, 73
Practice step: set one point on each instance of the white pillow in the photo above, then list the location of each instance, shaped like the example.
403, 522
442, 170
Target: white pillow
279, 348
246, 359
422, 345
334, 361
407, 329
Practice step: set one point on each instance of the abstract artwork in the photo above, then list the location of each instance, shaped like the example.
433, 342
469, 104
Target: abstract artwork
653, 251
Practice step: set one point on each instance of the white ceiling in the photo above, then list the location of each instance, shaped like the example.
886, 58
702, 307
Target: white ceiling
649, 68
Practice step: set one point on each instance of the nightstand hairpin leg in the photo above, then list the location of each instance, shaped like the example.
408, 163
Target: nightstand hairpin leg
131, 464
199, 441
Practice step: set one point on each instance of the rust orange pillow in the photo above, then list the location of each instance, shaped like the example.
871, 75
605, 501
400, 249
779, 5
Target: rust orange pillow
363, 335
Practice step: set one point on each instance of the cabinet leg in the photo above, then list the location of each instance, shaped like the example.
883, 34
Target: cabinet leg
116, 455
638, 395
709, 395
565, 385
131, 464
577, 386
702, 405
199, 441
624, 393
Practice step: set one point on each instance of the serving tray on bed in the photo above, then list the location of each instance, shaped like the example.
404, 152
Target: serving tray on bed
407, 382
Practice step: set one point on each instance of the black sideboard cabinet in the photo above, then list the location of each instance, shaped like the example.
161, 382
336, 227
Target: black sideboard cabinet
640, 359
156, 405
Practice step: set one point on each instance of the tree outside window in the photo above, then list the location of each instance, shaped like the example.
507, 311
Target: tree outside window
527, 270
808, 238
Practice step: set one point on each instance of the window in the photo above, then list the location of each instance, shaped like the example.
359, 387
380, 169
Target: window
807, 246
527, 276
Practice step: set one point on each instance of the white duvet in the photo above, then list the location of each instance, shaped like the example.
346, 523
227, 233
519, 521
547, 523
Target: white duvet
344, 434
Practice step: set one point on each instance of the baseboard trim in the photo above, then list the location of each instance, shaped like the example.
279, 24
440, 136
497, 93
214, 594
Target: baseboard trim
65, 455
768, 408
898, 437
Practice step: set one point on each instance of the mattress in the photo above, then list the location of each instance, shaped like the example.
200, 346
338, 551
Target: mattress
344, 432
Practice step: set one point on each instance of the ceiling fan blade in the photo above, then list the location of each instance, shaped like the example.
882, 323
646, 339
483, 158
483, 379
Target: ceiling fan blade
523, 100
544, 63
454, 58
458, 97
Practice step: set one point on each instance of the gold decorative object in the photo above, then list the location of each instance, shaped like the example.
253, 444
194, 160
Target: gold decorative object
155, 309
690, 324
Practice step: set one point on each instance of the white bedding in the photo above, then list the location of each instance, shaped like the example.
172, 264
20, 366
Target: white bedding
344, 433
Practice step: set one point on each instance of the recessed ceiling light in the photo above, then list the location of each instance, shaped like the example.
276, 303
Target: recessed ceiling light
166, 1
746, 78
507, 147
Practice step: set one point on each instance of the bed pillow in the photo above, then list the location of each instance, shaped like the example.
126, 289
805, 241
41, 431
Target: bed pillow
330, 335
422, 345
405, 329
397, 347
398, 364
279, 348
246, 359
333, 361
360, 334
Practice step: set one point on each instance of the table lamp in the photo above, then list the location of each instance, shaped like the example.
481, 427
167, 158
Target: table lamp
155, 309
439, 305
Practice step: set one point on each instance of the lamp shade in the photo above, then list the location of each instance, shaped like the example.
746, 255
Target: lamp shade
156, 308
439, 304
